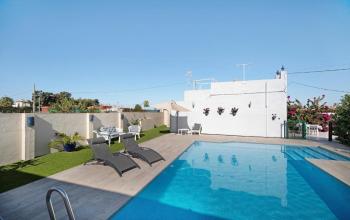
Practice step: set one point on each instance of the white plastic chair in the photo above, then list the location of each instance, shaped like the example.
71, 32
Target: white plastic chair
196, 129
135, 130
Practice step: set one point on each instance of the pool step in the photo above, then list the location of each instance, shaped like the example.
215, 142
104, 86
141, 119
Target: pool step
292, 155
331, 155
316, 154
300, 153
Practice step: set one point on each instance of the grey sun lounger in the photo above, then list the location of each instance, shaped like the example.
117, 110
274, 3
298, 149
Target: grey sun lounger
120, 162
146, 154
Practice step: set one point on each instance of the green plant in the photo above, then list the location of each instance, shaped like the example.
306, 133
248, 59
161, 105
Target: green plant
314, 112
342, 120
63, 139
146, 103
137, 108
6, 101
64, 105
134, 122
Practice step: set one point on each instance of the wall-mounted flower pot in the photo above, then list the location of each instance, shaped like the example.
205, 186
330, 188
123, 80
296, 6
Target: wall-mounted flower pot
220, 110
206, 111
69, 147
234, 111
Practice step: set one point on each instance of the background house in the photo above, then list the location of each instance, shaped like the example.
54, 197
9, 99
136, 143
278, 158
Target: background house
248, 108
22, 103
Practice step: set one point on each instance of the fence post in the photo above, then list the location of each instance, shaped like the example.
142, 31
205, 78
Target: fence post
303, 130
330, 131
285, 124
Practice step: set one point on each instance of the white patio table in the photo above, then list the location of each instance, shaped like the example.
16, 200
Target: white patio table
108, 136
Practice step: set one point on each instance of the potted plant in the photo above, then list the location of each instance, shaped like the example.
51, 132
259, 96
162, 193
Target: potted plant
206, 111
234, 111
220, 110
68, 142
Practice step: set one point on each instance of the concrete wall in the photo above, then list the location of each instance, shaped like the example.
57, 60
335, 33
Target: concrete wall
20, 142
10, 137
106, 119
257, 101
47, 125
148, 119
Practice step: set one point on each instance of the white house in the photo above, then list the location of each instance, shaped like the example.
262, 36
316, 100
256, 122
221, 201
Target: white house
22, 103
248, 108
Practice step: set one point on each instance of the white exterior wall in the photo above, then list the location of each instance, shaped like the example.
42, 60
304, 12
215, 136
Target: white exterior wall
267, 97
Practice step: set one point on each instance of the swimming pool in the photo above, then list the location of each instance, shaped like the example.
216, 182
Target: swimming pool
242, 181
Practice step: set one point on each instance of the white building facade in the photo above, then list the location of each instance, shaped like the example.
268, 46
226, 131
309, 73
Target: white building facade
248, 108
22, 103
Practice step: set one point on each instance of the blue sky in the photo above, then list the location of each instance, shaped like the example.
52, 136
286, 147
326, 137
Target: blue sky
128, 51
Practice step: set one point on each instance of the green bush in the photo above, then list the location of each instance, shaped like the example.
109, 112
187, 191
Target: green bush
342, 120
138, 108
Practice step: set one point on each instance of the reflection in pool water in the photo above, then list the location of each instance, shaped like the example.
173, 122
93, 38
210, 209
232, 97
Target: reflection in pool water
240, 181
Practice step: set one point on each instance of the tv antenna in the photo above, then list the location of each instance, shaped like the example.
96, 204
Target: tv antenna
189, 78
244, 66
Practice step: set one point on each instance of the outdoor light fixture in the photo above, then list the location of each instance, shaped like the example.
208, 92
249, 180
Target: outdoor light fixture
274, 116
250, 104
30, 121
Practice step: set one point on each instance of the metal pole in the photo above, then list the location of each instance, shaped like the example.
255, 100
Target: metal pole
177, 121
39, 103
303, 130
243, 65
33, 99
330, 131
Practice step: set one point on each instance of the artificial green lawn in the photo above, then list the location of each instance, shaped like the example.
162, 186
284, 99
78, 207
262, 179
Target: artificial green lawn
23, 172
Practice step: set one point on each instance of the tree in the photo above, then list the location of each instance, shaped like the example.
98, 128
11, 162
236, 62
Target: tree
342, 120
312, 113
64, 105
46, 98
294, 109
137, 108
63, 95
84, 104
6, 101
146, 103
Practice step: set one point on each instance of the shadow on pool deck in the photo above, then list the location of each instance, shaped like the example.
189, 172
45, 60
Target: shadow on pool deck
28, 201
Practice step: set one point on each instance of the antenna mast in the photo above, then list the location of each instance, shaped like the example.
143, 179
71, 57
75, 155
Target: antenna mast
33, 98
243, 65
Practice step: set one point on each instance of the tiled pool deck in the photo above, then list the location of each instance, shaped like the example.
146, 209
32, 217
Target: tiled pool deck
97, 191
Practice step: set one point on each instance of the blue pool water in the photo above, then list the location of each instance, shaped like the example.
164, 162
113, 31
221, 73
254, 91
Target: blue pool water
242, 181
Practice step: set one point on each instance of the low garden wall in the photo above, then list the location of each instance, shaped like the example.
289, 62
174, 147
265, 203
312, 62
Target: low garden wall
21, 141
148, 119
10, 137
